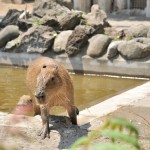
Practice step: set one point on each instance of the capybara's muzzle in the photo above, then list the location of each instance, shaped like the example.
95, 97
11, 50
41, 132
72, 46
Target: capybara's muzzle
39, 94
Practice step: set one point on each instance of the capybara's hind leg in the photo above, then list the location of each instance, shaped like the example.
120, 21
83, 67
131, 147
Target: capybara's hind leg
72, 114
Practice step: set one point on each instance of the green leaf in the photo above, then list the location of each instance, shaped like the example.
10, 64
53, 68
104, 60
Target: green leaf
108, 146
81, 141
125, 123
120, 136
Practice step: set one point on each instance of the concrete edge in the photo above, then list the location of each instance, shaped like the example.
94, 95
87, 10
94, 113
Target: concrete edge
112, 104
85, 64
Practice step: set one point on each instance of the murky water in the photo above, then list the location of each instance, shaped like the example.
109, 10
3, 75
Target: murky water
89, 90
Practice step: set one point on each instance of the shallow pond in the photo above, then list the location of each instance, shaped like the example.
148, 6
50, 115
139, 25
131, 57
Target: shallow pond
89, 90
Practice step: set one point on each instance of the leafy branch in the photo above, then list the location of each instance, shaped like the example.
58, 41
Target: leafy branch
117, 130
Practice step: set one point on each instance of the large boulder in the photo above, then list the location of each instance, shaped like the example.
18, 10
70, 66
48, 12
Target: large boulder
8, 33
97, 19
136, 31
25, 24
37, 39
96, 16
50, 8
143, 40
98, 45
112, 50
71, 20
61, 42
11, 18
51, 21
134, 49
76, 41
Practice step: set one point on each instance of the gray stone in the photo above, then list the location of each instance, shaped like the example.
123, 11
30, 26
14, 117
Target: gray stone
134, 50
11, 45
50, 8
11, 18
97, 19
37, 39
143, 40
70, 20
112, 50
98, 45
61, 41
8, 33
15, 43
136, 31
96, 16
76, 41
25, 24
66, 3
50, 21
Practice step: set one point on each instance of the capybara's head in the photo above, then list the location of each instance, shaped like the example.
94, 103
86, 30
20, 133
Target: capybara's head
46, 79
25, 100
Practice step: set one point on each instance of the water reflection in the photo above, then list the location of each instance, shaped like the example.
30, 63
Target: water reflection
89, 90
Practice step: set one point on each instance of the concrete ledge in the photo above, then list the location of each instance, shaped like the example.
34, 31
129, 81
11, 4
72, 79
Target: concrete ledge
85, 64
112, 104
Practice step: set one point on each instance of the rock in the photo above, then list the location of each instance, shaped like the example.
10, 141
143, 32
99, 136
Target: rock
15, 43
37, 39
25, 24
66, 3
50, 21
11, 45
76, 40
98, 45
97, 19
11, 18
61, 42
70, 20
115, 33
50, 8
134, 50
8, 33
142, 40
96, 16
112, 50
136, 31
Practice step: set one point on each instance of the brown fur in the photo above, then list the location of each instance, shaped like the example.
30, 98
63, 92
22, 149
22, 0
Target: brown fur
58, 92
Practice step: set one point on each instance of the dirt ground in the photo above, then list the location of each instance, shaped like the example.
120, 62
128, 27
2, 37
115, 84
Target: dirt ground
4, 7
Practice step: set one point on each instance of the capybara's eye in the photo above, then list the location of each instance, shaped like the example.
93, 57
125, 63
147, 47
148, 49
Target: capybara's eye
52, 78
44, 66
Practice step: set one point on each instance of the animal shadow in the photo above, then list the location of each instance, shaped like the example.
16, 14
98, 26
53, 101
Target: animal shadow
68, 133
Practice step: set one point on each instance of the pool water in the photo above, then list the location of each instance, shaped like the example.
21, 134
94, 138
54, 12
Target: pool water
89, 90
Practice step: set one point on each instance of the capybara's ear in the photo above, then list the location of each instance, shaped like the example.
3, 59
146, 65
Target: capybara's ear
25, 100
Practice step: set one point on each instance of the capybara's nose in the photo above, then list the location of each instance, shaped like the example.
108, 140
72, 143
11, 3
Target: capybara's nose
39, 95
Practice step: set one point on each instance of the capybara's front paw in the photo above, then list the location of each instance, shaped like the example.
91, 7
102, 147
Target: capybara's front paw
45, 131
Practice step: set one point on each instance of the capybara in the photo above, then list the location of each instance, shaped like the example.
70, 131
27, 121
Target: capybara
50, 84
